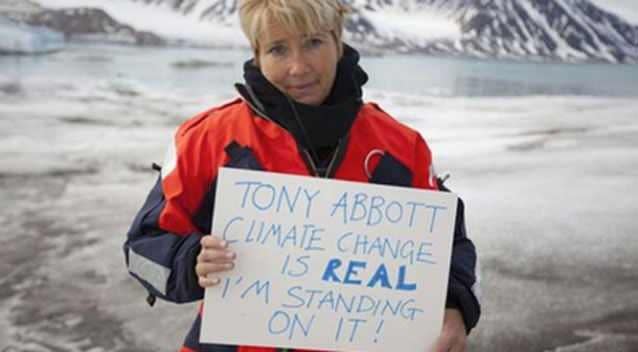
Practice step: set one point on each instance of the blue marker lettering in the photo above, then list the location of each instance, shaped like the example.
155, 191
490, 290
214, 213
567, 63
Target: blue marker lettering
269, 200
291, 204
394, 251
394, 309
359, 200
248, 185
292, 294
423, 255
343, 204
329, 274
354, 328
225, 233
380, 276
249, 235
339, 326
343, 237
283, 318
306, 329
413, 211
403, 285
314, 243
362, 307
309, 197
360, 245
375, 204
226, 285
328, 298
407, 250
352, 271
313, 293
400, 212
259, 287
290, 236
410, 312
274, 231
302, 266
434, 209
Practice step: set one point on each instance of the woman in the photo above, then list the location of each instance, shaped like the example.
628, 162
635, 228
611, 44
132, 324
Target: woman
300, 112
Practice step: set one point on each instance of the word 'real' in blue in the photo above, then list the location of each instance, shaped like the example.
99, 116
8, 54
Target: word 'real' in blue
380, 277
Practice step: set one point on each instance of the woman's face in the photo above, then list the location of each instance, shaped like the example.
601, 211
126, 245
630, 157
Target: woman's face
301, 66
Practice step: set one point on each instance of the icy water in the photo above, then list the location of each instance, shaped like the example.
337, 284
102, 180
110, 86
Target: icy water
545, 157
201, 72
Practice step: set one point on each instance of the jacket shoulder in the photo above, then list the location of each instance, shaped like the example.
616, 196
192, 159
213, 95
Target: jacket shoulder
209, 118
386, 121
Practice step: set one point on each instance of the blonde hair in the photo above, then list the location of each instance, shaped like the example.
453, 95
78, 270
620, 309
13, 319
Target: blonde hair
296, 16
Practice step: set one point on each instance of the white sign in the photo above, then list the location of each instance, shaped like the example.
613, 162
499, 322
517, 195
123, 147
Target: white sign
329, 265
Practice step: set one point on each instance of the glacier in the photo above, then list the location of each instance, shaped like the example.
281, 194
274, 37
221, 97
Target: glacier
20, 39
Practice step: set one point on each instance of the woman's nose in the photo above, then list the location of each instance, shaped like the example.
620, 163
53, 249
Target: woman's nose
298, 64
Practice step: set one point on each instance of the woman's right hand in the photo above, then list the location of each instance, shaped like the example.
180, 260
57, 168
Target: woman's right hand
214, 257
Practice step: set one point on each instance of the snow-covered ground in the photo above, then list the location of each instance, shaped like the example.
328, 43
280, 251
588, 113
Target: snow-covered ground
549, 182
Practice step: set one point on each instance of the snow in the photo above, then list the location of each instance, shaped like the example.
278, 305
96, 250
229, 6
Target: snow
604, 48
417, 26
412, 22
625, 9
163, 21
563, 50
21, 39
545, 181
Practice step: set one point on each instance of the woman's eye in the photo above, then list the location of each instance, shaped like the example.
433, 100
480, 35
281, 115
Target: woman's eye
277, 50
314, 42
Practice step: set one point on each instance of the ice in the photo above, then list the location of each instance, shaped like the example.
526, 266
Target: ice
548, 181
22, 39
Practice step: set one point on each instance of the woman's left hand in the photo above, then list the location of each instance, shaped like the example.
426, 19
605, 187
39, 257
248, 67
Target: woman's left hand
453, 336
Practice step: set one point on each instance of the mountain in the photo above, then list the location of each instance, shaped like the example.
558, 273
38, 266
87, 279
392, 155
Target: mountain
544, 30
91, 24
44, 30
566, 30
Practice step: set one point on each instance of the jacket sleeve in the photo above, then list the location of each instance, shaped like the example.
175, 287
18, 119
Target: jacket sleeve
163, 242
463, 286
162, 261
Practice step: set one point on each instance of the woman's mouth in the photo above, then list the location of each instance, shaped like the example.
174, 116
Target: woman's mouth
302, 89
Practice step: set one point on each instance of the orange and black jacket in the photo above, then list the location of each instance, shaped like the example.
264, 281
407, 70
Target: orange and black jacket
163, 241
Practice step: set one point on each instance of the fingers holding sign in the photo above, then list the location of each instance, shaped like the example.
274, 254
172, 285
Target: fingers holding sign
453, 337
215, 257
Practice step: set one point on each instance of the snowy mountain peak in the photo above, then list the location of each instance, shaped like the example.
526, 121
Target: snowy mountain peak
218, 10
565, 30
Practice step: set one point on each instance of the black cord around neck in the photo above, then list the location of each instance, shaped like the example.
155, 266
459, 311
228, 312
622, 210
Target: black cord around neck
309, 146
